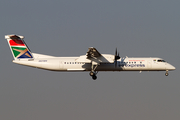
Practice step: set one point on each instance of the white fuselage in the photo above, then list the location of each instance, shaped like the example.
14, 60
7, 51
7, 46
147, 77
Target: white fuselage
72, 64
93, 61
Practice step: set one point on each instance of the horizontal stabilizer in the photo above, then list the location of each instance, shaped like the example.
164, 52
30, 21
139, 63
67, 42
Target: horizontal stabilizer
36, 55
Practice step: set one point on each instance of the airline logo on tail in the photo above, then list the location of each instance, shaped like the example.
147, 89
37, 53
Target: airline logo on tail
18, 47
21, 52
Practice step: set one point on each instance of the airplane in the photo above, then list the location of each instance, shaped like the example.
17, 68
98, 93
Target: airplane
93, 61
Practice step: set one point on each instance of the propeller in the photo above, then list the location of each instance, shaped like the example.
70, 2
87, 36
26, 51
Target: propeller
116, 57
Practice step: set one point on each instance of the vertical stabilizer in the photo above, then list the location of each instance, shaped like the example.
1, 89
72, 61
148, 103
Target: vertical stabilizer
18, 47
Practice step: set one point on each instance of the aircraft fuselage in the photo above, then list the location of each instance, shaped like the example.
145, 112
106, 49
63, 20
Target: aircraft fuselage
93, 61
123, 64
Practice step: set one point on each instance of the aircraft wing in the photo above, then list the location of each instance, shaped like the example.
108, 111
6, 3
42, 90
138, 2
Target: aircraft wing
92, 52
93, 55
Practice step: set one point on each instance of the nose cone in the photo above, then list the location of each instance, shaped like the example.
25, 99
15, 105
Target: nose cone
170, 67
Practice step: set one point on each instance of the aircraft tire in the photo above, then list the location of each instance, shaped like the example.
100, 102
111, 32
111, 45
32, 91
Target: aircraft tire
166, 74
91, 73
94, 77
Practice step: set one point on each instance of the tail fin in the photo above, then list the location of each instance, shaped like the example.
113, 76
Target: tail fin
18, 47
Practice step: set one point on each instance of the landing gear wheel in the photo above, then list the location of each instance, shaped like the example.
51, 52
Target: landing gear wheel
91, 73
94, 77
166, 74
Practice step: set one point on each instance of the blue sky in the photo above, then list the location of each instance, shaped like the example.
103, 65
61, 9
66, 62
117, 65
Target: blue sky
138, 28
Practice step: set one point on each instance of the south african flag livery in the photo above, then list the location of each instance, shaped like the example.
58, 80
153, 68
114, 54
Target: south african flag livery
18, 47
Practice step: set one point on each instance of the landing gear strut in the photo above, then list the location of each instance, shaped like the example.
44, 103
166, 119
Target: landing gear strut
166, 74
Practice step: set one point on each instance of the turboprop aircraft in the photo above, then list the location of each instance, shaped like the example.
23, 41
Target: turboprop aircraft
93, 61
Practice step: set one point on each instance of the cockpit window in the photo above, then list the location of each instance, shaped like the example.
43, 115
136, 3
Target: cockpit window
161, 61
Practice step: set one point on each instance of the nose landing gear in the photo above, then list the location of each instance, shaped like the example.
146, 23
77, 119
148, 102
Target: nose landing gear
166, 74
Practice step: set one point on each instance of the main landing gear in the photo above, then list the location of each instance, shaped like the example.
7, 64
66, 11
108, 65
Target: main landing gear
166, 74
93, 72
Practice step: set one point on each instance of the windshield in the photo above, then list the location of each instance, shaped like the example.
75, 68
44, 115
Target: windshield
161, 61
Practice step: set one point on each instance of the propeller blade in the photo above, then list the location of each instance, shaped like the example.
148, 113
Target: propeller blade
116, 52
116, 57
115, 63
